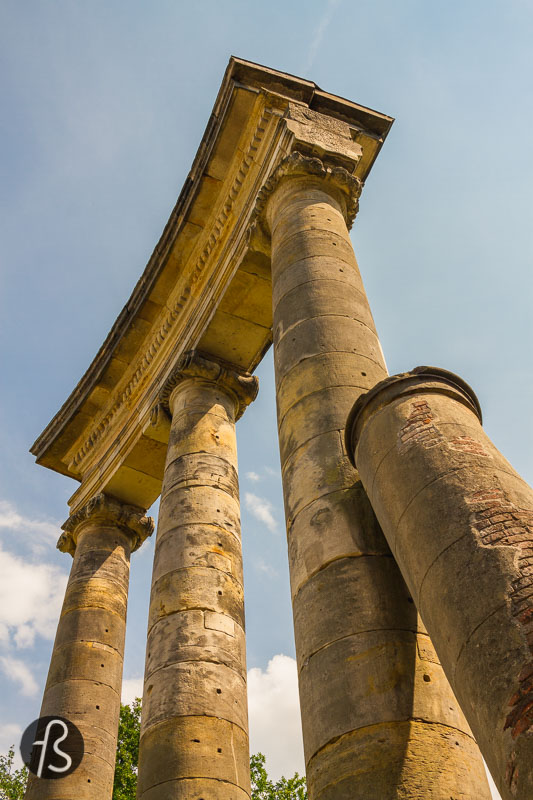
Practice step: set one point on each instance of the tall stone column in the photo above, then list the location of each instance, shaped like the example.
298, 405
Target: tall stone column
194, 732
379, 718
85, 676
459, 520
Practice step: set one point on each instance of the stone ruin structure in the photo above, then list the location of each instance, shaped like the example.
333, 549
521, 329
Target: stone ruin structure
257, 252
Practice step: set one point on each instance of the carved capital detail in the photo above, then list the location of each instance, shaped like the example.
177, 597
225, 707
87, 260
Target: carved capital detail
298, 165
240, 384
106, 509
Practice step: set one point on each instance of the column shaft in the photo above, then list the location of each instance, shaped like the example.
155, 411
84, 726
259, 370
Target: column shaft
379, 718
459, 520
85, 676
194, 737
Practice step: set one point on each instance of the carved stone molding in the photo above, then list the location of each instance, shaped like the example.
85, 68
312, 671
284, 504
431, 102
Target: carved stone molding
241, 385
298, 165
105, 509
151, 349
200, 271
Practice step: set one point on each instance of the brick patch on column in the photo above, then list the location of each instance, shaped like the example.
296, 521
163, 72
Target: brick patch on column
465, 444
500, 522
419, 428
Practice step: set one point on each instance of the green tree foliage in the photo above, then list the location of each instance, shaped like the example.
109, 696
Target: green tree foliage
129, 730
13, 781
264, 789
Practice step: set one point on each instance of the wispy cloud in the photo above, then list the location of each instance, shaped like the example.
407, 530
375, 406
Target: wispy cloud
319, 33
267, 569
39, 533
31, 591
253, 476
261, 508
30, 599
17, 671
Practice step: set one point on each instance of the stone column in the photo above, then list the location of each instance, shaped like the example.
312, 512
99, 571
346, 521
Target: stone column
85, 676
459, 520
194, 732
379, 719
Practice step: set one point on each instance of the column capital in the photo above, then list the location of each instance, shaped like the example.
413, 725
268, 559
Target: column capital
297, 165
106, 509
194, 365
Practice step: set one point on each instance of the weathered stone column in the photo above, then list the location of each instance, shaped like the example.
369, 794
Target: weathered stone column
459, 520
85, 676
194, 733
379, 719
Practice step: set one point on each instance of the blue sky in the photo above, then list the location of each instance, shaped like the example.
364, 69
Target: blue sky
103, 107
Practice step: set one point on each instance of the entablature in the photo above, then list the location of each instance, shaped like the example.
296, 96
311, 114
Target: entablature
204, 286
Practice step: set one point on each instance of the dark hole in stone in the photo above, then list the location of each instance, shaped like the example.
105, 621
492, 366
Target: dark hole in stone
101, 665
219, 749
98, 707
363, 373
219, 592
196, 740
219, 691
427, 678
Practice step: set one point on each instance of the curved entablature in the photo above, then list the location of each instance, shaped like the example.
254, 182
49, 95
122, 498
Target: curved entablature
204, 287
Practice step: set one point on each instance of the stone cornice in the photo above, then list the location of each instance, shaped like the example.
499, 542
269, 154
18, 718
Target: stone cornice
194, 286
242, 386
298, 165
105, 509
179, 306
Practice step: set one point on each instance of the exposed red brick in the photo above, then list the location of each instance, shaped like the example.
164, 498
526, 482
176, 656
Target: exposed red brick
420, 428
498, 522
466, 444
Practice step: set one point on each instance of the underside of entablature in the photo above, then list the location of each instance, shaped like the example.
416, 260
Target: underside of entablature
203, 286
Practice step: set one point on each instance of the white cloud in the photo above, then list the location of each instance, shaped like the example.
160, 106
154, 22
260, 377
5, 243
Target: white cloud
267, 569
261, 509
253, 476
10, 734
272, 472
16, 670
131, 688
274, 709
318, 34
31, 592
30, 599
38, 533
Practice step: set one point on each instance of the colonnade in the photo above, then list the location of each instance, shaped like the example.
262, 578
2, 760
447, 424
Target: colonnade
380, 719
